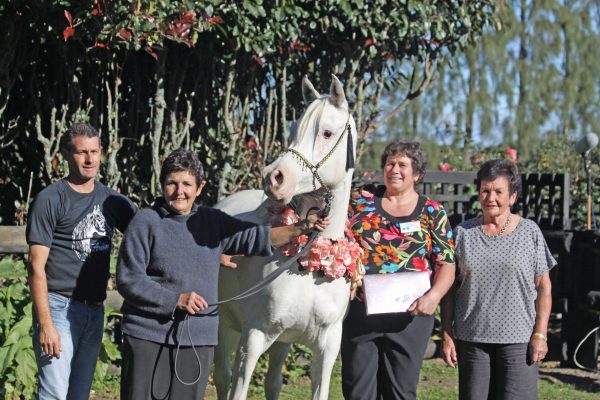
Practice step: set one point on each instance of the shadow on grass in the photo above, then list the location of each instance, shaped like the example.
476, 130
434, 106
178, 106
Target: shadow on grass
583, 383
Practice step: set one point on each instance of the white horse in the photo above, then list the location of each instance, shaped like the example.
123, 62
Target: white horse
298, 306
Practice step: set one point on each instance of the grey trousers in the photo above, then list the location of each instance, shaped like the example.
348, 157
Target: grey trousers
148, 371
496, 372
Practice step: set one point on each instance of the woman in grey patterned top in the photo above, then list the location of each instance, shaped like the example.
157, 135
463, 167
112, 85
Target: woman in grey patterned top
494, 321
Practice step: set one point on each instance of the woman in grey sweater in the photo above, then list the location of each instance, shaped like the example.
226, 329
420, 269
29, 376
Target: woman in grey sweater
495, 320
167, 273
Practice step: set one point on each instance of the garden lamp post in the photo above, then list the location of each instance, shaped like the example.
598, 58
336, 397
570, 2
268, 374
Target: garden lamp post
583, 147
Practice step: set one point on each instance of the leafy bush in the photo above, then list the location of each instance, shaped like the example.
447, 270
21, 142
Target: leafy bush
17, 361
220, 77
552, 156
18, 369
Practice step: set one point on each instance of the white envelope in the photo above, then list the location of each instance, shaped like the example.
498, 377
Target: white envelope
392, 293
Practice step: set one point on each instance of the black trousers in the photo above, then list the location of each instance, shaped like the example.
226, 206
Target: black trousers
495, 372
148, 371
382, 354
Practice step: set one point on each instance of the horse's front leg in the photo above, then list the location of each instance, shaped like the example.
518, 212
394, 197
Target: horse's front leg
253, 343
325, 352
228, 339
273, 381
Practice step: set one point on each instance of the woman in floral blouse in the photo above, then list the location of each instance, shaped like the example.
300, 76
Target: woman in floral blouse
400, 231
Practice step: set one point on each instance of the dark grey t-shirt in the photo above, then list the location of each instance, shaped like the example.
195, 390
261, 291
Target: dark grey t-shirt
495, 300
78, 227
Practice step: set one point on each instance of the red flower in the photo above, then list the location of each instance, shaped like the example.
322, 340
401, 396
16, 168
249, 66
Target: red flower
512, 154
420, 264
432, 203
446, 167
69, 30
393, 233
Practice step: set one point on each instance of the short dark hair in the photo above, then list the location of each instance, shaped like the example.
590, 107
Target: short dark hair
182, 160
493, 169
411, 150
77, 129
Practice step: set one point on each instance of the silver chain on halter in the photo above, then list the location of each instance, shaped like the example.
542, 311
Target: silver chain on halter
305, 163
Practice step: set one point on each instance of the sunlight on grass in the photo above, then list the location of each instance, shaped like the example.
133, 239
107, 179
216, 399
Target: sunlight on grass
438, 382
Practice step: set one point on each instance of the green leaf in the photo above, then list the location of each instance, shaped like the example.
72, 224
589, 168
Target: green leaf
372, 51
20, 330
111, 349
3, 361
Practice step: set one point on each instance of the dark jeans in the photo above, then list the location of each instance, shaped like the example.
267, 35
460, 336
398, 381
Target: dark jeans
382, 354
148, 371
495, 372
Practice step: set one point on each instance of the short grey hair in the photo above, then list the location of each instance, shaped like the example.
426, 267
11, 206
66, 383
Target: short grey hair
493, 169
182, 160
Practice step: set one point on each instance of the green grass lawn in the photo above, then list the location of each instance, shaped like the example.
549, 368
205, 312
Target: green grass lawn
438, 382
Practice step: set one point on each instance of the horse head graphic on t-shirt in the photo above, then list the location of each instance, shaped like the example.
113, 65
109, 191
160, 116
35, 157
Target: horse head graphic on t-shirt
94, 224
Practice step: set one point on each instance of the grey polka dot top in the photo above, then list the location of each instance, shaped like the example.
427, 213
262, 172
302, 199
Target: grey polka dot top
495, 299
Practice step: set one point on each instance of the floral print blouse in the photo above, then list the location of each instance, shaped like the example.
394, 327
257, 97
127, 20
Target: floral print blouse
399, 244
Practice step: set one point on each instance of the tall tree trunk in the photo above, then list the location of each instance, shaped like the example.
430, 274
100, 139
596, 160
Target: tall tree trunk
158, 119
114, 141
471, 55
231, 136
565, 111
523, 95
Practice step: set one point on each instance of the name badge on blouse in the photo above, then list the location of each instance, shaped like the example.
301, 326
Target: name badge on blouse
408, 227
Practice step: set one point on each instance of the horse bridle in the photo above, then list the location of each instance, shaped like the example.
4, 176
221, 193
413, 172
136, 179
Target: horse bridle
328, 199
314, 169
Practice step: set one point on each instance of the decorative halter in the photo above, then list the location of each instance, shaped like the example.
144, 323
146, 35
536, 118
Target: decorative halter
305, 163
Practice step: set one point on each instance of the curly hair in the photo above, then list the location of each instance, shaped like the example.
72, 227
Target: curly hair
493, 169
411, 150
77, 129
182, 160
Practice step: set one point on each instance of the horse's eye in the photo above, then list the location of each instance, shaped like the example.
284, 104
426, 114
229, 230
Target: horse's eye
327, 134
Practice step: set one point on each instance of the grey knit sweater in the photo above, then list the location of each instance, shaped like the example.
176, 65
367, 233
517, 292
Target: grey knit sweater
165, 254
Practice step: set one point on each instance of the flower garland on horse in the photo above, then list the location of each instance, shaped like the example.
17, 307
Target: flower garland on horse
335, 258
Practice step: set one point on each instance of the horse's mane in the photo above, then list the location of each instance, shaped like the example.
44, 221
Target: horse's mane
309, 120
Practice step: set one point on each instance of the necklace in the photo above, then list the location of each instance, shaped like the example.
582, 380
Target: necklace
501, 229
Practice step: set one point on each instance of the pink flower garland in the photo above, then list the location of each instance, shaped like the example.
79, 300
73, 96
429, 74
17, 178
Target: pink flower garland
336, 258
284, 217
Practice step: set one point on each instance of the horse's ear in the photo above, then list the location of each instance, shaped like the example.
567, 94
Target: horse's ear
336, 93
308, 91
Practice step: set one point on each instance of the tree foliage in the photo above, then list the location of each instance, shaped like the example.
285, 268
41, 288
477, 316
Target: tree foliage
535, 77
221, 77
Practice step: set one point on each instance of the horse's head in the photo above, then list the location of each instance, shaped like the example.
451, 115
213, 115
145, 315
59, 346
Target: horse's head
322, 150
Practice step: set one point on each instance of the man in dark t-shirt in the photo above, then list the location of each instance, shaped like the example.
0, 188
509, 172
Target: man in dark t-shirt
69, 234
